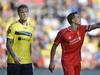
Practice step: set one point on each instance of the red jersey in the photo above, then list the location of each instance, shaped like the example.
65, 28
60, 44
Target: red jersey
71, 42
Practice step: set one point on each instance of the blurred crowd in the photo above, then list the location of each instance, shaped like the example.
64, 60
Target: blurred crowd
48, 17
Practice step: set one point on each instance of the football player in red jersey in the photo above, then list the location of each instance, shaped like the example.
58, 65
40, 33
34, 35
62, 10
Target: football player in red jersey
71, 40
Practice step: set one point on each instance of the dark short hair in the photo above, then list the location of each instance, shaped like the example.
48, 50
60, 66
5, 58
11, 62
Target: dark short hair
22, 7
71, 16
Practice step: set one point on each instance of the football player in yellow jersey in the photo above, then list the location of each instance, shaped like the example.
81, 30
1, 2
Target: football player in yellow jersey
19, 39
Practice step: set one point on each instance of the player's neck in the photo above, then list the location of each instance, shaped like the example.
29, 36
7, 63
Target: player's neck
23, 22
74, 27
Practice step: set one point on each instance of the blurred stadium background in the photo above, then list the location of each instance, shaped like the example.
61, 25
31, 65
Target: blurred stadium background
48, 17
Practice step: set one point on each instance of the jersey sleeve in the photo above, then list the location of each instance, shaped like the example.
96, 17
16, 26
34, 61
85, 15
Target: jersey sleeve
58, 38
10, 32
88, 28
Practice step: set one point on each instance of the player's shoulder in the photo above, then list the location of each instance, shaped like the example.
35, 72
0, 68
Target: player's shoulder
62, 30
31, 22
83, 26
13, 24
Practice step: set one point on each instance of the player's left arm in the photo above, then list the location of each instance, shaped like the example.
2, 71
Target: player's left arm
93, 26
31, 49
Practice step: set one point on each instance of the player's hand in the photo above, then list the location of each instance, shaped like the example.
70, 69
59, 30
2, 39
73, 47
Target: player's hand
16, 60
51, 66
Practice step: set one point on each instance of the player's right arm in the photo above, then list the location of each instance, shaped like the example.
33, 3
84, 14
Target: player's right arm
53, 50
9, 48
52, 54
9, 42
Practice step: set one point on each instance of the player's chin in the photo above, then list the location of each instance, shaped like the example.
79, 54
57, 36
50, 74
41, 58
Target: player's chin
79, 23
24, 19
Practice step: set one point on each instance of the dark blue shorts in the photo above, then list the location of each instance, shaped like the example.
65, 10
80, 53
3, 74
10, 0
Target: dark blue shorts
19, 69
